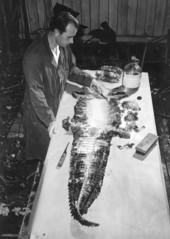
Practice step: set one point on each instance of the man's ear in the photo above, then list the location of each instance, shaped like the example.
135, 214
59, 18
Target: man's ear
56, 31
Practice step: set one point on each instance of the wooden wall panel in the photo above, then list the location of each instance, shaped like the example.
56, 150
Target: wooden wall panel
21, 22
59, 1
113, 14
32, 15
77, 7
159, 17
53, 2
85, 10
141, 17
104, 6
131, 18
95, 17
122, 17
167, 18
150, 17
41, 13
127, 17
68, 3
48, 10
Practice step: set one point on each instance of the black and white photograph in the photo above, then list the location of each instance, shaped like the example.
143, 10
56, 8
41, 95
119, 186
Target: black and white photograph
85, 119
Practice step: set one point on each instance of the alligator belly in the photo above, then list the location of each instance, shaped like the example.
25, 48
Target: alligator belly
93, 125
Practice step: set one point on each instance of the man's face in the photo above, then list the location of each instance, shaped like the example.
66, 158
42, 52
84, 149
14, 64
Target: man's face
66, 37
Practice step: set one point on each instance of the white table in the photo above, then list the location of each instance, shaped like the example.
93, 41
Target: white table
133, 201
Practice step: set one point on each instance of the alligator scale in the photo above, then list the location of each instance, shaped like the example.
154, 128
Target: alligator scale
93, 125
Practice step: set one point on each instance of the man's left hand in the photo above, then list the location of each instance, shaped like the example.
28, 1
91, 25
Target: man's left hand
52, 128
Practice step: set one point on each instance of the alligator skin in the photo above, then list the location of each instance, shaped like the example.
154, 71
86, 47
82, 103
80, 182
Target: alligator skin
93, 125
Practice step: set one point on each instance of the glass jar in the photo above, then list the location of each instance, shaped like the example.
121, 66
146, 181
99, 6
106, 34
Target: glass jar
132, 76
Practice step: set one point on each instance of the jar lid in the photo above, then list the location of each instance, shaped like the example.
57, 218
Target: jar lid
134, 59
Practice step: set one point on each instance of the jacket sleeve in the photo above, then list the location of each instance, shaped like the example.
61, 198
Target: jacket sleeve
76, 74
34, 81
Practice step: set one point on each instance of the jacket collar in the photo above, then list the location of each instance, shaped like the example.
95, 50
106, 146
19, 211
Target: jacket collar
52, 59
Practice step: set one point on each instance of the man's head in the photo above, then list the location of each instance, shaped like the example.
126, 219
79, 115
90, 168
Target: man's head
63, 27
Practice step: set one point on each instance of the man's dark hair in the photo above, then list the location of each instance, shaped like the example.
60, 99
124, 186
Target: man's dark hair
61, 20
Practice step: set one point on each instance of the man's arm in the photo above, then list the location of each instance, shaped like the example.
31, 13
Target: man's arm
82, 78
77, 75
34, 80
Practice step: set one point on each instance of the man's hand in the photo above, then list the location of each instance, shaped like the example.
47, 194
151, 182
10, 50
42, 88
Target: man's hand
52, 128
99, 87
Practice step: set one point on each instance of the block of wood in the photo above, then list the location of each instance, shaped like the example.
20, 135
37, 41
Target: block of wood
147, 142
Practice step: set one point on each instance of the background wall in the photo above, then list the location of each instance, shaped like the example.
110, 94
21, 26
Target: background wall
135, 18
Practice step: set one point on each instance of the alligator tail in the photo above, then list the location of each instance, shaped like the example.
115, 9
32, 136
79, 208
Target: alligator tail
77, 216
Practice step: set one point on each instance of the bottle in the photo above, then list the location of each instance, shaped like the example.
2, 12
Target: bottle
132, 76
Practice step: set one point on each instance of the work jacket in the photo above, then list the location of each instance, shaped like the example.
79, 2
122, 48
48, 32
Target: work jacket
45, 82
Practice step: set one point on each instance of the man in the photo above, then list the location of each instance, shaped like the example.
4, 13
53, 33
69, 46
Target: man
47, 64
